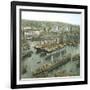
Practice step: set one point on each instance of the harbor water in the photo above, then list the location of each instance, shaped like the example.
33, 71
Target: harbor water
36, 60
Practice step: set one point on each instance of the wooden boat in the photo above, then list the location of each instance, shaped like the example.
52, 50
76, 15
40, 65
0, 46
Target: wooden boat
50, 67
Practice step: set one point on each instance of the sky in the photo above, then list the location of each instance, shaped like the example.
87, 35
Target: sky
58, 17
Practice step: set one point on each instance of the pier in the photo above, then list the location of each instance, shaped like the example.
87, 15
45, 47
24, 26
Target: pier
46, 68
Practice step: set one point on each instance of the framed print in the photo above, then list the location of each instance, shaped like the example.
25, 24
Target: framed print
48, 44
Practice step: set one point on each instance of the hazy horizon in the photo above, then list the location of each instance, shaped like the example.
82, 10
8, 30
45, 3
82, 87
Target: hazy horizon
55, 17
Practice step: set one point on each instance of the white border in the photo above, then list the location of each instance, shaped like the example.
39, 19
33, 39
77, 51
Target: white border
50, 80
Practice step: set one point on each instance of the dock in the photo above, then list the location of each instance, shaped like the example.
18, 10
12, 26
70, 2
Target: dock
46, 68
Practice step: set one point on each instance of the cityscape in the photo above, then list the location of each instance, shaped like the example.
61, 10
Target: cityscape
49, 49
